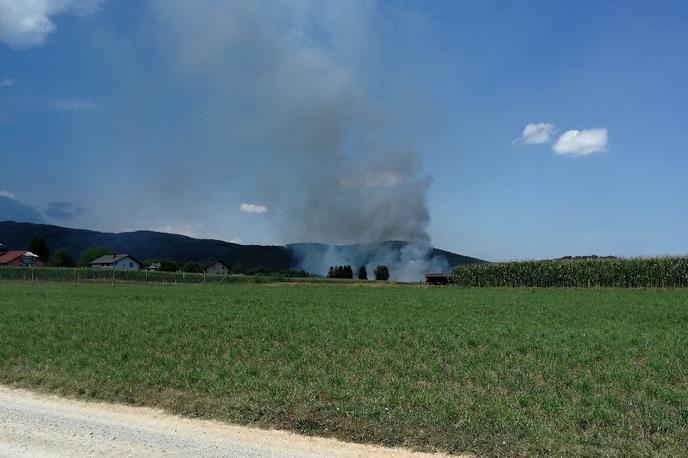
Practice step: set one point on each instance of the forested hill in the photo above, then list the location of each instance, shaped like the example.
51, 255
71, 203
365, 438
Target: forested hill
159, 245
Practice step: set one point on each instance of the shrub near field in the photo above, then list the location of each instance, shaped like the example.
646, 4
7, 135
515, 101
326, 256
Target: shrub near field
668, 272
497, 372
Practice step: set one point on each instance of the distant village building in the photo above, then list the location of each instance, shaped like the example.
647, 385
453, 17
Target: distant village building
437, 279
20, 259
116, 262
154, 267
215, 268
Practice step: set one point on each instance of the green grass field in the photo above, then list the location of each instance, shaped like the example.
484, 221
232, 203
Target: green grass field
595, 372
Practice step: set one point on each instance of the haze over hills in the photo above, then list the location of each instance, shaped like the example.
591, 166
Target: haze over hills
160, 245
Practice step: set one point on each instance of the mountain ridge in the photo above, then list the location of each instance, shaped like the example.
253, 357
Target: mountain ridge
145, 244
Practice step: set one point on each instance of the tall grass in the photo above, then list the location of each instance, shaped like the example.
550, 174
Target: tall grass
661, 272
494, 372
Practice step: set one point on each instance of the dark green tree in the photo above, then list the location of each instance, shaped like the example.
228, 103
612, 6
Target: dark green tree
340, 272
362, 273
168, 265
237, 268
60, 258
92, 254
40, 247
381, 273
192, 267
348, 272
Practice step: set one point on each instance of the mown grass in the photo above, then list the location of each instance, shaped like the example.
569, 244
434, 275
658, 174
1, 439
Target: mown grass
504, 372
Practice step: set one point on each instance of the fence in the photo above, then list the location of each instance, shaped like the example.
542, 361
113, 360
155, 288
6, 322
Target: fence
84, 275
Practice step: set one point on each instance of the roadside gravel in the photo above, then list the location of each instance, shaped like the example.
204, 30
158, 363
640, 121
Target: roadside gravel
38, 425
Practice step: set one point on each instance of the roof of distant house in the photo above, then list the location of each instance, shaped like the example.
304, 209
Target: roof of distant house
111, 259
207, 264
12, 255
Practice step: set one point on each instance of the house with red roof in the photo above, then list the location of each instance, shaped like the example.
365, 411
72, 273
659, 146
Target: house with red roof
20, 259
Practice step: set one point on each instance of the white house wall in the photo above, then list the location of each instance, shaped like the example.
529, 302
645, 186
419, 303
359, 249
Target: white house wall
126, 264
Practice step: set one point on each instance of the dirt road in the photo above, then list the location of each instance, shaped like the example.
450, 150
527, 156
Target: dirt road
38, 425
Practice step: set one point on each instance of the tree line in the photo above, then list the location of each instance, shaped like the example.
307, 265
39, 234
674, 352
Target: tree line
63, 258
380, 273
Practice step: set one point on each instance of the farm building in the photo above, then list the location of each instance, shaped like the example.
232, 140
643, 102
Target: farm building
437, 279
116, 262
215, 268
20, 259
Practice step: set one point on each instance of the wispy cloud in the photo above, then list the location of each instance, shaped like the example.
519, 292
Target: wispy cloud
74, 105
536, 133
6, 82
253, 208
26, 23
581, 142
236, 240
8, 194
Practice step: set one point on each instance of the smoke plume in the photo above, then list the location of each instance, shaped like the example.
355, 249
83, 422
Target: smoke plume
286, 88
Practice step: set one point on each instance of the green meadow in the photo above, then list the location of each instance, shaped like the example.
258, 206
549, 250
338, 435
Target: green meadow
498, 372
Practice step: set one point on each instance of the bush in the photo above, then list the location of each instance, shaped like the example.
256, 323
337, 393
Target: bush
192, 267
168, 265
39, 247
60, 258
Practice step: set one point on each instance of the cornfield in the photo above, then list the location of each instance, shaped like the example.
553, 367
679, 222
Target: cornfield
661, 272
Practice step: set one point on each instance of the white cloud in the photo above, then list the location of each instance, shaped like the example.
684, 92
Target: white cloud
74, 105
26, 23
581, 142
236, 240
535, 134
253, 208
6, 82
8, 194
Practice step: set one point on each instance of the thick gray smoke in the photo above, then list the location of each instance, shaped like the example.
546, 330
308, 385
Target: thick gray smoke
407, 261
288, 82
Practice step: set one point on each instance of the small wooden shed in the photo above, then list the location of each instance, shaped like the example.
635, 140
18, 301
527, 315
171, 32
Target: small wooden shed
437, 279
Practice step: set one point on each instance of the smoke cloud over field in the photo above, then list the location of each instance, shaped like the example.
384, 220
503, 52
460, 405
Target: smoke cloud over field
406, 261
288, 81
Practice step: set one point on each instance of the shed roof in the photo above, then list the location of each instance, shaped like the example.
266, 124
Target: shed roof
207, 264
111, 259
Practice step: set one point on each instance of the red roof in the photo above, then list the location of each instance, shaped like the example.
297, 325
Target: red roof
11, 256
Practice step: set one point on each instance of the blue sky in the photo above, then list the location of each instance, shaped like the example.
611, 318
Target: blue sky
170, 115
